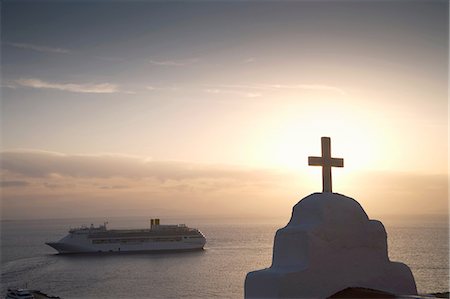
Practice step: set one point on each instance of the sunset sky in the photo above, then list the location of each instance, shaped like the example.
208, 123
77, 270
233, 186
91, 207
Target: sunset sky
212, 108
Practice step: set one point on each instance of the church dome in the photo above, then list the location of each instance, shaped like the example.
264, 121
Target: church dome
328, 208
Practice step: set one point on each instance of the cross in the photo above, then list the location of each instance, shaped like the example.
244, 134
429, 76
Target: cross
326, 162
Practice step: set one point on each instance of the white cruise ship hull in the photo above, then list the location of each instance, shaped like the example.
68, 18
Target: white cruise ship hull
100, 240
63, 248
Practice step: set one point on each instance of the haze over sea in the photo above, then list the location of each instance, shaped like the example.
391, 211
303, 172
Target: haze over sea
234, 247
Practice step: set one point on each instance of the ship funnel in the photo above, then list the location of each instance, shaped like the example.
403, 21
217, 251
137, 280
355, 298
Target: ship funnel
152, 223
157, 221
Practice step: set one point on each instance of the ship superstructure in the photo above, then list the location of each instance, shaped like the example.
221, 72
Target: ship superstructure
156, 238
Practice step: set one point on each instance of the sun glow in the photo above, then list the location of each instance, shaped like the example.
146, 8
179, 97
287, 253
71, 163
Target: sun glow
299, 135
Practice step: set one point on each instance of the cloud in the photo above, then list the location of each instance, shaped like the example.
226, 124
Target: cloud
38, 48
71, 87
114, 187
162, 88
246, 94
249, 60
182, 62
246, 90
5, 184
43, 164
54, 186
319, 87
77, 185
8, 84
51, 184
257, 90
275, 87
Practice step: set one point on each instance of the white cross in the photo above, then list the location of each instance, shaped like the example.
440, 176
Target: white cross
326, 162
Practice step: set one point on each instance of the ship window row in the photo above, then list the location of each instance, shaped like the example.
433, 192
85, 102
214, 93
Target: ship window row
135, 240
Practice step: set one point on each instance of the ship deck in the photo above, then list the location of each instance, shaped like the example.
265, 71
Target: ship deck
142, 233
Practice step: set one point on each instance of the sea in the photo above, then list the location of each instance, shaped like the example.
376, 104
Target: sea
234, 247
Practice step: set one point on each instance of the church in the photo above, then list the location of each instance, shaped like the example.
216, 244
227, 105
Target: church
329, 246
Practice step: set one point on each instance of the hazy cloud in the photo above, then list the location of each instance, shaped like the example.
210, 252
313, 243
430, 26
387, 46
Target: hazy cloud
4, 184
80, 184
181, 62
256, 90
72, 87
247, 94
8, 84
55, 186
111, 183
249, 60
162, 88
38, 48
50, 164
246, 86
307, 86
114, 187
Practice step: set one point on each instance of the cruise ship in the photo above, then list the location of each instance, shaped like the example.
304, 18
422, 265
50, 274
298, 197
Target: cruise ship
156, 238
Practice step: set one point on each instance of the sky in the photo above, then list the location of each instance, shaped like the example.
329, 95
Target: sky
211, 108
